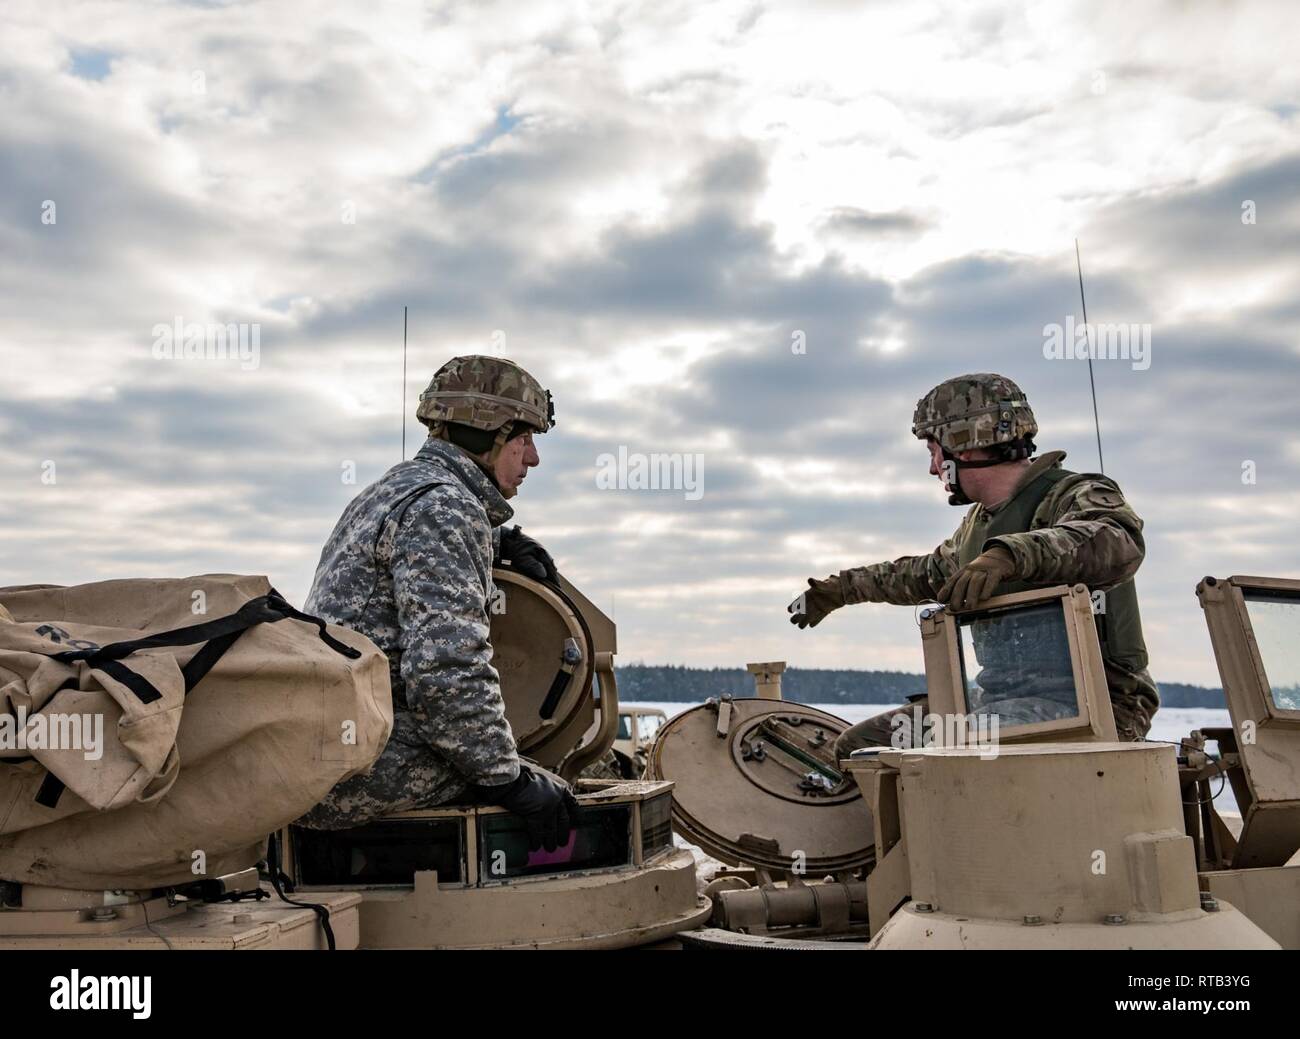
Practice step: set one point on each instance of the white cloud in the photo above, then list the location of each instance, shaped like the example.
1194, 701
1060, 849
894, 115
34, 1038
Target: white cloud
648, 201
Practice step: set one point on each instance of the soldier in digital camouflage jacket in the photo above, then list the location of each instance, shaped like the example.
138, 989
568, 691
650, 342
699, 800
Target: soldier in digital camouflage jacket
409, 565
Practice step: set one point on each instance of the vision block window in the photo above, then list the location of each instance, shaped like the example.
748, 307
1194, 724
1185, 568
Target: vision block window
601, 839
1016, 665
624, 726
387, 852
656, 825
1275, 621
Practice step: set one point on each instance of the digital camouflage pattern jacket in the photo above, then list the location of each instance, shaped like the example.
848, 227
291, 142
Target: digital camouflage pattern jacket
409, 565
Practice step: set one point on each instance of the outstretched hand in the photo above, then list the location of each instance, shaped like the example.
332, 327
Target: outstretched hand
821, 598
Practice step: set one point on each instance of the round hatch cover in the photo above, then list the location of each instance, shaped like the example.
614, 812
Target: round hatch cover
542, 651
757, 783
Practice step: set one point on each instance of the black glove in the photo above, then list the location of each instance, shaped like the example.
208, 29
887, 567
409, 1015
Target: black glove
822, 596
522, 553
545, 803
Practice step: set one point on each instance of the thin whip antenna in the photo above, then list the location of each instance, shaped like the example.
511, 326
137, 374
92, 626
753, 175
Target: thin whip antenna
1087, 330
404, 382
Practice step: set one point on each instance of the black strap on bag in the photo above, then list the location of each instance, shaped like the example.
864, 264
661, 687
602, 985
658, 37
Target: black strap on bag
224, 632
279, 881
217, 635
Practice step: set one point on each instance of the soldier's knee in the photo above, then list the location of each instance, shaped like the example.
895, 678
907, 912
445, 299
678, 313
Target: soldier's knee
1130, 733
1131, 727
869, 733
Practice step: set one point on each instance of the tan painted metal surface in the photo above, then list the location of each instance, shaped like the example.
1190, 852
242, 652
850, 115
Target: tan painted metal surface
1068, 832
1226, 929
549, 645
1265, 738
757, 783
650, 895
226, 925
767, 678
1043, 846
1269, 896
607, 910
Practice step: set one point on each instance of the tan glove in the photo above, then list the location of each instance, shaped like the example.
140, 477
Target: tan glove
821, 598
978, 580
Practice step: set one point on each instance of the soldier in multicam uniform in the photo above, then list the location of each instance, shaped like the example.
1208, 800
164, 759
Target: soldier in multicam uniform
1033, 524
409, 565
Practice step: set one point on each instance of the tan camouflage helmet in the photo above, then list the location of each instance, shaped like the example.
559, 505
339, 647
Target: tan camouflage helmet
974, 411
485, 393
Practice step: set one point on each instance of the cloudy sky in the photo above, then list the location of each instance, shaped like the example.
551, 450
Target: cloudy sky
648, 206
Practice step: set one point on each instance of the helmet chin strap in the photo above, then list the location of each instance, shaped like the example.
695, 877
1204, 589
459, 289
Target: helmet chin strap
487, 463
958, 496
503, 434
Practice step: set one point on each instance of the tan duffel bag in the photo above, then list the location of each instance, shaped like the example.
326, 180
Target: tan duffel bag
154, 732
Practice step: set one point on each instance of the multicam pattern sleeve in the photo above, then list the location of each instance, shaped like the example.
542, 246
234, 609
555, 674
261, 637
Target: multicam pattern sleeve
907, 580
1085, 533
442, 583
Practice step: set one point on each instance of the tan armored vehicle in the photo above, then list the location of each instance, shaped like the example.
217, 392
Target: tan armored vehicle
445, 878
1017, 822
464, 877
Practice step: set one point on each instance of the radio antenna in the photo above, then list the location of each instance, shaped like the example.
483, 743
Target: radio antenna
1087, 331
404, 383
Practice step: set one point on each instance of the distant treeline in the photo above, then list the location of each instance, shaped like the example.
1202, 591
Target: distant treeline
676, 684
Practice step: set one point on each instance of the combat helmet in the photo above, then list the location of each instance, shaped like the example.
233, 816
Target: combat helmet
472, 396
982, 410
974, 411
485, 393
